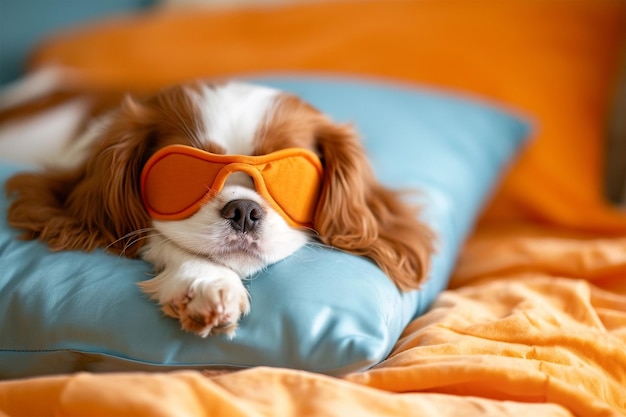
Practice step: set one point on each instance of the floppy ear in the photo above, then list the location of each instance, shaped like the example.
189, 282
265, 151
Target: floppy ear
357, 214
97, 204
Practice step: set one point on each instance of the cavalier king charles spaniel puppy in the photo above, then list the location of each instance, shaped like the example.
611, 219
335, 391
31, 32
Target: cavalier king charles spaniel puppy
211, 183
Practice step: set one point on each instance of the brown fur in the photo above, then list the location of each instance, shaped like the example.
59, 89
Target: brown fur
355, 213
98, 204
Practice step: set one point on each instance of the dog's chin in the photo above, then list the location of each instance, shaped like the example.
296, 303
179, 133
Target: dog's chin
247, 257
243, 257
242, 262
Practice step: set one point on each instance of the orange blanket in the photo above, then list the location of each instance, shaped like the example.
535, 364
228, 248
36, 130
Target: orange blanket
539, 329
534, 322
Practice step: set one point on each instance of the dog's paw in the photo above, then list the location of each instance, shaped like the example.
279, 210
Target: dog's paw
205, 298
210, 307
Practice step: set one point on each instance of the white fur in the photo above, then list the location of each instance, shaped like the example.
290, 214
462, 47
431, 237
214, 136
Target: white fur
47, 138
33, 86
233, 113
42, 140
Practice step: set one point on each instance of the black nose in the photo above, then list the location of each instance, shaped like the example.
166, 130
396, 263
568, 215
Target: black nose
244, 215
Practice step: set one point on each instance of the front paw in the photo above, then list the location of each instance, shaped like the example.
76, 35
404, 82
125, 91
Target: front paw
205, 298
210, 307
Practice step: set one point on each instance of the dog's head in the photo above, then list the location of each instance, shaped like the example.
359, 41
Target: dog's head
191, 164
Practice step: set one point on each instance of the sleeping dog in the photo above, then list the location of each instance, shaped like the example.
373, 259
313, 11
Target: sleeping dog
211, 183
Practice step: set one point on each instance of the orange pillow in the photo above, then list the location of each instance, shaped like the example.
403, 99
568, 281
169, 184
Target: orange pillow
555, 61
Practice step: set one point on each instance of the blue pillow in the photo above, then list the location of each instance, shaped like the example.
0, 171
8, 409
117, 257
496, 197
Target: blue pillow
319, 310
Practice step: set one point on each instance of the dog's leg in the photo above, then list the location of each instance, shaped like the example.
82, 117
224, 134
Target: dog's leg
33, 86
205, 297
36, 123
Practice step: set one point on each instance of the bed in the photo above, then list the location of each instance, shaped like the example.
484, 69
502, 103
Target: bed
527, 312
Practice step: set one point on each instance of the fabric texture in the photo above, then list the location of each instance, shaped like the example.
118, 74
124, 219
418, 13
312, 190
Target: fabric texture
320, 309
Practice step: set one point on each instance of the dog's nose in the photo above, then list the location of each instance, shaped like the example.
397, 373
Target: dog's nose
244, 215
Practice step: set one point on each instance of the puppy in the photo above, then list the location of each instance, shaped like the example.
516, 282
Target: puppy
211, 183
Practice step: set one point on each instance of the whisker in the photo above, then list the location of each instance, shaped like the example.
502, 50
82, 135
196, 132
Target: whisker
139, 239
164, 241
310, 231
132, 237
187, 241
318, 244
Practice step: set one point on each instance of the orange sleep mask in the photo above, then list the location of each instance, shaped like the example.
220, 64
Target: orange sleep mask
177, 180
